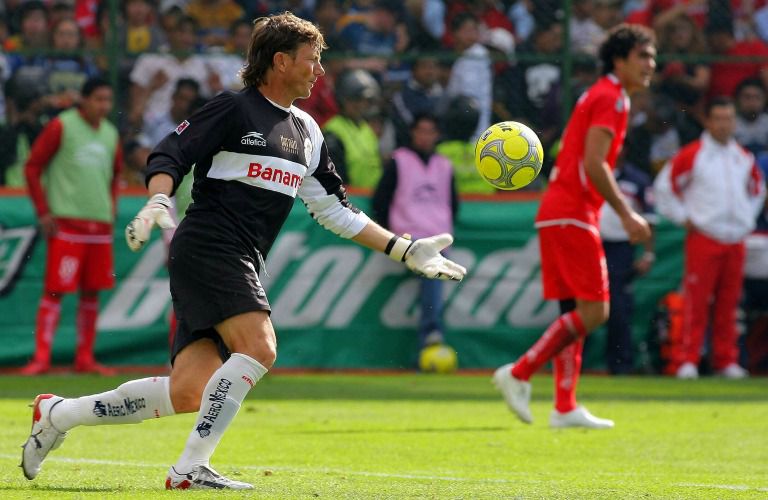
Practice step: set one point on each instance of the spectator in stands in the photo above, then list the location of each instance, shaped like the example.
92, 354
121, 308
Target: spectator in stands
607, 13
471, 73
624, 265
751, 117
586, 34
214, 19
67, 69
79, 152
653, 141
140, 33
325, 15
154, 76
185, 95
417, 195
422, 93
685, 82
727, 74
458, 125
87, 17
426, 23
60, 10
351, 141
227, 61
524, 93
521, 15
27, 112
657, 12
718, 208
33, 32
373, 32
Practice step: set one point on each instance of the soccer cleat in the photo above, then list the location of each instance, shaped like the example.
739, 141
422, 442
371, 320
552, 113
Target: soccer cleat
733, 371
94, 367
202, 478
578, 417
517, 393
43, 438
687, 371
34, 367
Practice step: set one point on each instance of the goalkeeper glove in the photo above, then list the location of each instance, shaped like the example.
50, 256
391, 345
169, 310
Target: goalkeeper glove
154, 212
423, 256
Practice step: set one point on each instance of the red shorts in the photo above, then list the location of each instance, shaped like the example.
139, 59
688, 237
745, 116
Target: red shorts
572, 264
79, 261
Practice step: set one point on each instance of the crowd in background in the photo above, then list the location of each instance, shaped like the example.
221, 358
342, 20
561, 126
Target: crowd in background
469, 63
503, 60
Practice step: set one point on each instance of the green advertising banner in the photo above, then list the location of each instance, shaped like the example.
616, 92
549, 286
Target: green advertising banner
335, 304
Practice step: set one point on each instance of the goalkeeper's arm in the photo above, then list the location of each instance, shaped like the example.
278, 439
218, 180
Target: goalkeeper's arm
155, 212
422, 256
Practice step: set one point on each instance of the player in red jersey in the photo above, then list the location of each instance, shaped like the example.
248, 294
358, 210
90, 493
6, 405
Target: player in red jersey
572, 259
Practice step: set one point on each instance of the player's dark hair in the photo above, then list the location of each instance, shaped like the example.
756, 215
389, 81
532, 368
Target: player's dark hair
620, 42
92, 84
717, 102
276, 33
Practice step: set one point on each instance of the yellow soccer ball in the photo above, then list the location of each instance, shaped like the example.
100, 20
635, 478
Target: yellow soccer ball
438, 358
509, 155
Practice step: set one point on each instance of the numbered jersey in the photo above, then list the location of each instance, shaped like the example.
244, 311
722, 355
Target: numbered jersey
252, 158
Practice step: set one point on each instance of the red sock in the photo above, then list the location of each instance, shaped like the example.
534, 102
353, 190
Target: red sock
567, 368
87, 313
47, 320
562, 332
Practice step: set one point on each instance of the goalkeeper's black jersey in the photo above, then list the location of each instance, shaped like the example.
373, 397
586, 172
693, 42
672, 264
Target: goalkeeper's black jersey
252, 158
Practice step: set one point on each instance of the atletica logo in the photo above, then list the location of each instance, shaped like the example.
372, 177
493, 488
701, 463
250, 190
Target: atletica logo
253, 139
289, 145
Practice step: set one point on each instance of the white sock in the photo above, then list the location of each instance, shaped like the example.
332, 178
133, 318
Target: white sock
131, 403
222, 397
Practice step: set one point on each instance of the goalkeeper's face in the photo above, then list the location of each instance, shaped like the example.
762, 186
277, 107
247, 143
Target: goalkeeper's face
303, 71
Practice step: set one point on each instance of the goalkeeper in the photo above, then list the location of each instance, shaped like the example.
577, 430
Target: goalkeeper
253, 154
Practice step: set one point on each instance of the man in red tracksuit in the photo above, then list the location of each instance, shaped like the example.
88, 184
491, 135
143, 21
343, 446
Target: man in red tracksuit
79, 152
713, 188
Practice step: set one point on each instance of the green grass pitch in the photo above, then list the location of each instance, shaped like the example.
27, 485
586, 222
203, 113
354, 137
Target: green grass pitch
418, 436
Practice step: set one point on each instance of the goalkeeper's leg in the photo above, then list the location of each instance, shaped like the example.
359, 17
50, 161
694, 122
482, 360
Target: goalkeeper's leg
251, 339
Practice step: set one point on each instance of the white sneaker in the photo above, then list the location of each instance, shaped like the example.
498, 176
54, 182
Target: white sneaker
687, 371
578, 417
734, 371
43, 438
202, 478
516, 393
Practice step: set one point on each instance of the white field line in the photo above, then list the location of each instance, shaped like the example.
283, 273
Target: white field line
324, 470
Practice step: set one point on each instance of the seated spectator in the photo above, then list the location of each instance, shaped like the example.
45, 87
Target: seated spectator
586, 34
471, 73
154, 76
426, 23
685, 82
727, 74
185, 96
86, 14
67, 69
227, 61
351, 141
325, 16
59, 10
607, 13
525, 92
33, 34
422, 93
214, 19
654, 140
140, 33
521, 15
751, 117
657, 12
487, 13
458, 125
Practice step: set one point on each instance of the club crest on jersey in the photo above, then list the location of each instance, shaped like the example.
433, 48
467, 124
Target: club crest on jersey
289, 145
253, 139
307, 149
182, 127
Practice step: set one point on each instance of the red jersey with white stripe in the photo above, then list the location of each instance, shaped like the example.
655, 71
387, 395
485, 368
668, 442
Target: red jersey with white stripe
570, 197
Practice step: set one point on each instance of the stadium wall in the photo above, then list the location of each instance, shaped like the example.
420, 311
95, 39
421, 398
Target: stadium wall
336, 305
